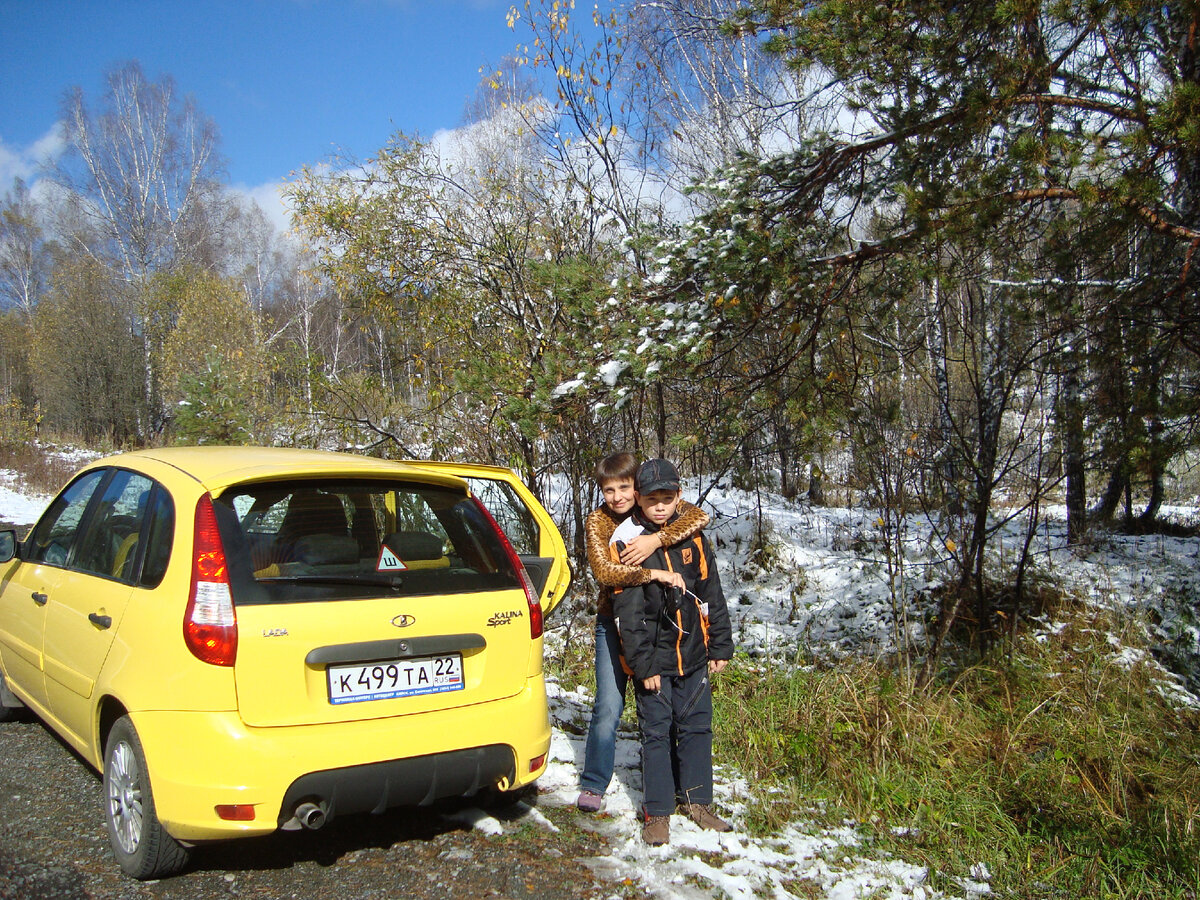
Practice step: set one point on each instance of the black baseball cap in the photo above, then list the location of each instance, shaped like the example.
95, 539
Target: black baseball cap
657, 475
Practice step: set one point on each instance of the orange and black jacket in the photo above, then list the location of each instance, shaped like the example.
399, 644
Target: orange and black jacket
668, 632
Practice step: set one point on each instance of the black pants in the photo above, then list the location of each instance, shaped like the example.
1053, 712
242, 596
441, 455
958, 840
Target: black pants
676, 726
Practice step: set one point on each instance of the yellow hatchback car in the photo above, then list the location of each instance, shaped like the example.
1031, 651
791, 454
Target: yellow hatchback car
247, 639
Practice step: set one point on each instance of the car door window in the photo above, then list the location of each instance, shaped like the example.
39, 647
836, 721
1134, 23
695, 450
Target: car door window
510, 513
111, 535
53, 537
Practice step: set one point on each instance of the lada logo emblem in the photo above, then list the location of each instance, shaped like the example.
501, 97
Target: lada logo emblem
404, 620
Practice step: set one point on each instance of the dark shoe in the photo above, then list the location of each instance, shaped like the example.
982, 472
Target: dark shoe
589, 802
702, 816
657, 830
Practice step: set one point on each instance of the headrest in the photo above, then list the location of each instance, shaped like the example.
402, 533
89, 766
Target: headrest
313, 512
414, 545
326, 549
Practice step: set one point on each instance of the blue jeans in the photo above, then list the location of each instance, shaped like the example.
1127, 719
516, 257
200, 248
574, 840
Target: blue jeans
676, 725
606, 712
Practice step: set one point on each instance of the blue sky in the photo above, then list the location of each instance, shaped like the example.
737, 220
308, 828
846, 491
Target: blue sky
288, 82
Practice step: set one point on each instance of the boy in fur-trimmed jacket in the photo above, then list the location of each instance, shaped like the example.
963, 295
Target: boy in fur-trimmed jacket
673, 639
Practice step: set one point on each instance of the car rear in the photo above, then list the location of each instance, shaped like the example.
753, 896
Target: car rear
384, 644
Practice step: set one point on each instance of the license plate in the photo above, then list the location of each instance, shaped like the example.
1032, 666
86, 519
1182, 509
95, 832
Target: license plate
395, 678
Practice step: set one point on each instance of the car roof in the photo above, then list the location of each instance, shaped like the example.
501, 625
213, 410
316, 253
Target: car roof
220, 466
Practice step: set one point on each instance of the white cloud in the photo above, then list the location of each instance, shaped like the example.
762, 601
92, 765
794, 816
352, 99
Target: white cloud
49, 146
24, 162
269, 198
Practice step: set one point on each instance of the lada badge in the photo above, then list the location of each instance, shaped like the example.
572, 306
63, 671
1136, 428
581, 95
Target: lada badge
404, 620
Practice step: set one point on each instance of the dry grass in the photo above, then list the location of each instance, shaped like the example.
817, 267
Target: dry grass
1067, 773
40, 470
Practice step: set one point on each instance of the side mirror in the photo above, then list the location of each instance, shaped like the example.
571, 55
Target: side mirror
8, 545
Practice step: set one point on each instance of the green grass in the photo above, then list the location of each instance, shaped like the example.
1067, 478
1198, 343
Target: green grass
1067, 774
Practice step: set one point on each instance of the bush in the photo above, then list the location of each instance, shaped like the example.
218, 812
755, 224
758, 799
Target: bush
17, 429
1064, 771
41, 471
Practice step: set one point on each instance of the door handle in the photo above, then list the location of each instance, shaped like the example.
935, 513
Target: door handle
102, 621
39, 598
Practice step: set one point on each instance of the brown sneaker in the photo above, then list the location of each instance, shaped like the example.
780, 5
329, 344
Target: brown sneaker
702, 816
657, 830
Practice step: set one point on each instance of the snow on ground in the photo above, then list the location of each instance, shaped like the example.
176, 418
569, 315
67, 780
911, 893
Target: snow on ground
16, 506
822, 589
19, 505
699, 864
826, 592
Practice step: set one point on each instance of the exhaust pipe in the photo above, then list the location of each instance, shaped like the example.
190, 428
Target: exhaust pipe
310, 815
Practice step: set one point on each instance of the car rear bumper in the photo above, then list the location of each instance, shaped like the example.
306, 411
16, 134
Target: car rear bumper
412, 781
199, 761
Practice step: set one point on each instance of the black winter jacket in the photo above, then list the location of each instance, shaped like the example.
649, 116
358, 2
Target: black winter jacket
663, 630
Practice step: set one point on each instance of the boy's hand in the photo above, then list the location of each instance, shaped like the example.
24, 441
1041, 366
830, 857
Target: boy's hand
716, 665
653, 683
670, 579
639, 549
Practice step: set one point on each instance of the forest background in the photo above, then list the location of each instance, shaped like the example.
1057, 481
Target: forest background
914, 256
926, 256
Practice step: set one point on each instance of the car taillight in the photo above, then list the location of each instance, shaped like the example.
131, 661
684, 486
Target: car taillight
210, 625
531, 595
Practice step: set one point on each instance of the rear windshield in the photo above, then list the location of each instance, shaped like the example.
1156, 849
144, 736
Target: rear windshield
330, 540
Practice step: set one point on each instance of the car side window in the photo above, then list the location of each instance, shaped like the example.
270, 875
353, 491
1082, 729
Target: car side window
53, 538
114, 530
510, 513
161, 536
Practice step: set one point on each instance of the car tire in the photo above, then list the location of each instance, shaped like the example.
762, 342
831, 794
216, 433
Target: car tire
139, 842
7, 713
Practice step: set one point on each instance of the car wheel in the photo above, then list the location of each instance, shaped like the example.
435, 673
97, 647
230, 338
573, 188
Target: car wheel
139, 842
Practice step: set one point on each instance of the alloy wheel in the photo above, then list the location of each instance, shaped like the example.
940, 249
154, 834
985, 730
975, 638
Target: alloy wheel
125, 797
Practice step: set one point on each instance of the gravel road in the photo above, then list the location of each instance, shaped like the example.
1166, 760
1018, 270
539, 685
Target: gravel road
53, 845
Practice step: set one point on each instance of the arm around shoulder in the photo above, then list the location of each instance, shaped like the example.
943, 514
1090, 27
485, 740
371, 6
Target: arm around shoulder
610, 572
690, 522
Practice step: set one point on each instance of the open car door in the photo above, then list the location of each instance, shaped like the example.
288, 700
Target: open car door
523, 519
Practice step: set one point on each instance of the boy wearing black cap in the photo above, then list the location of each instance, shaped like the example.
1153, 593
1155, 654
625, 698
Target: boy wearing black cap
672, 641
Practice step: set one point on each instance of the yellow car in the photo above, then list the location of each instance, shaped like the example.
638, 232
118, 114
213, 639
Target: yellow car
247, 639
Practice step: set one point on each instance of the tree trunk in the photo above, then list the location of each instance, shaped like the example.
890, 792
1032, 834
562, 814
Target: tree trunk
935, 343
783, 449
1154, 504
1071, 423
1106, 506
816, 485
661, 403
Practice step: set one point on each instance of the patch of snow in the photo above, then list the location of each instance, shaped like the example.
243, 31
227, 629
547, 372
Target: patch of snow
611, 371
16, 505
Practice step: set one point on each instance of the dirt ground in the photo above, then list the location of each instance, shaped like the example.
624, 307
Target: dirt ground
53, 845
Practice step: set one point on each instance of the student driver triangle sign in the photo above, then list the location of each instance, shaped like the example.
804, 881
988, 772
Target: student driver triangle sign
389, 561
